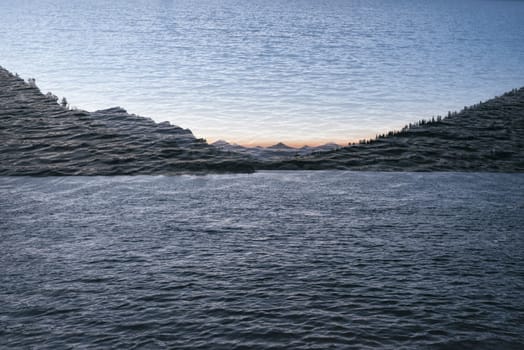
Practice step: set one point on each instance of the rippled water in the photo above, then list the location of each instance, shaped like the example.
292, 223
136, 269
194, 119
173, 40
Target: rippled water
264, 70
271, 260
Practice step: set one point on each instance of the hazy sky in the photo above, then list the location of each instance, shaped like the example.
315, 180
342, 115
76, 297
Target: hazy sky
261, 71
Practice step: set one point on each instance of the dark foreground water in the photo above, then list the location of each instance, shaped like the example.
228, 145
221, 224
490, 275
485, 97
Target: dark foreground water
289, 260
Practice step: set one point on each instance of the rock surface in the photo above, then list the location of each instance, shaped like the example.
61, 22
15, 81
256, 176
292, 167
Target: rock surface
41, 137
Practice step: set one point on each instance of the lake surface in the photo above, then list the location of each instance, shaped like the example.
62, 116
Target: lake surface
260, 71
271, 260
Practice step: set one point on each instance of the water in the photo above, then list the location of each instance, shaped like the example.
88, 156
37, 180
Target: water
271, 260
261, 71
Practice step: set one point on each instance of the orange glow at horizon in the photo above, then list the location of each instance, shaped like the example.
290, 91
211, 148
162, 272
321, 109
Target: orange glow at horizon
295, 143
290, 143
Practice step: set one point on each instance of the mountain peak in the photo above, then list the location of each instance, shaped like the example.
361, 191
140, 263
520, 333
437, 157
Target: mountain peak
280, 145
220, 143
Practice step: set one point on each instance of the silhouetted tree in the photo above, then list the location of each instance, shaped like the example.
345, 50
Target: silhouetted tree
52, 97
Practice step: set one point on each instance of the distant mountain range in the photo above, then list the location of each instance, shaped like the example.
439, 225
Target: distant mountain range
40, 136
275, 152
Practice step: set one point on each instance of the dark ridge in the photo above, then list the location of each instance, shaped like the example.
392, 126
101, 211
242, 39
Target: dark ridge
41, 137
488, 136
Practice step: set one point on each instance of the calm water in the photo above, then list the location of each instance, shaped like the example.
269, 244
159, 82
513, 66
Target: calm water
290, 260
267, 70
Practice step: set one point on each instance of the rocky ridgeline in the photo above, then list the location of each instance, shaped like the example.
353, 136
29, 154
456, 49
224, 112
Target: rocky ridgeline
488, 136
39, 136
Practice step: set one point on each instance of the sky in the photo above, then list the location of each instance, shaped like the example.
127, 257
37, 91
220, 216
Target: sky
259, 72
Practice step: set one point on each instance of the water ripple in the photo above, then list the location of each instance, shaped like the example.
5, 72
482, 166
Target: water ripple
270, 260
